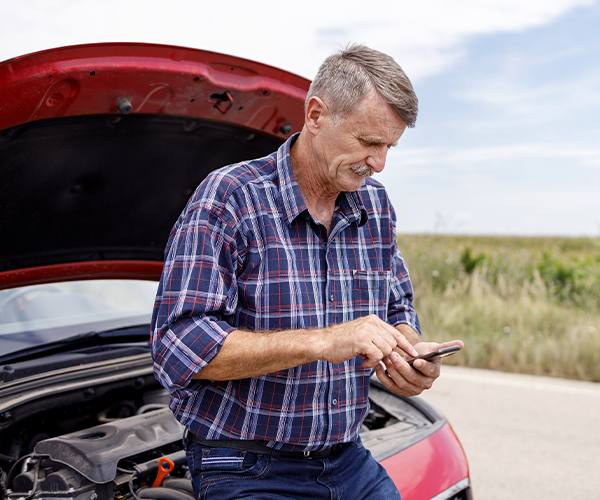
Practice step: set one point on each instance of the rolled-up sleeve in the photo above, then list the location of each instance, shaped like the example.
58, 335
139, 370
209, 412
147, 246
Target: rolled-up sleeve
197, 293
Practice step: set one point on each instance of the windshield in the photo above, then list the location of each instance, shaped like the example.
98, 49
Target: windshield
38, 314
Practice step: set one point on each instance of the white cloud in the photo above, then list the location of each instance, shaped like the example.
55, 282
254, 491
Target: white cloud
494, 209
514, 92
528, 189
480, 158
429, 35
425, 36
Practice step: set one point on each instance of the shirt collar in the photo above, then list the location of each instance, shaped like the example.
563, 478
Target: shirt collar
350, 203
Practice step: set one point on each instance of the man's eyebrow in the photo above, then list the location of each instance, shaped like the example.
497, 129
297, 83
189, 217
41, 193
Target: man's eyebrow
372, 140
376, 141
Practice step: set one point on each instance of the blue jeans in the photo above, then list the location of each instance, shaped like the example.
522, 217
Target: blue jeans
351, 473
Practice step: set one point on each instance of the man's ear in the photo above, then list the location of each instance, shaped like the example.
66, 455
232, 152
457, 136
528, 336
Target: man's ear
316, 112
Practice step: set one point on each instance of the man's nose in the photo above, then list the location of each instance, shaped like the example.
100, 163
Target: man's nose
377, 159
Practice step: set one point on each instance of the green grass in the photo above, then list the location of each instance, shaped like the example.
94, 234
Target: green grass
527, 305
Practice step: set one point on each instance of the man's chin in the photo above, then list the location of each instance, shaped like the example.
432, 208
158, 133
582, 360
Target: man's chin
355, 183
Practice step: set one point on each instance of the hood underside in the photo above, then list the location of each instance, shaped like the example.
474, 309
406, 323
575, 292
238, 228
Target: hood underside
102, 145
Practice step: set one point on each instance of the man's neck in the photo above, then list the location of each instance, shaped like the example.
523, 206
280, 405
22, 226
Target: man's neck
320, 201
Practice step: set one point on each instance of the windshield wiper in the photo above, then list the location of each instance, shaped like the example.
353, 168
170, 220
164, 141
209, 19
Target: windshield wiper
133, 334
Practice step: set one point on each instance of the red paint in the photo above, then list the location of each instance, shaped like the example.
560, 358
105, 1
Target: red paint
111, 269
429, 467
156, 79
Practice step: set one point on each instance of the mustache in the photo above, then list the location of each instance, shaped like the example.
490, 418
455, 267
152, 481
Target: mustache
362, 170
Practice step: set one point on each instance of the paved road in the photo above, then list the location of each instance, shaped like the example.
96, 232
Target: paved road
526, 437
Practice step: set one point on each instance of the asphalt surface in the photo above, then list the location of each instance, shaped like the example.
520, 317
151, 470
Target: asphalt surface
525, 437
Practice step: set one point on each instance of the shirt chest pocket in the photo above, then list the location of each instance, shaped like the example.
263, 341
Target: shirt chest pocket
366, 292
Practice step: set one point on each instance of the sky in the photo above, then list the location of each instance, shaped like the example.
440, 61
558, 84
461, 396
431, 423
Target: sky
508, 136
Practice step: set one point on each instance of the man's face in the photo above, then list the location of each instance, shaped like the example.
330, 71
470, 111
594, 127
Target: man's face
357, 146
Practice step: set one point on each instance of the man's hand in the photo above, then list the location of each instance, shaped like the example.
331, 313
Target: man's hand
369, 337
405, 380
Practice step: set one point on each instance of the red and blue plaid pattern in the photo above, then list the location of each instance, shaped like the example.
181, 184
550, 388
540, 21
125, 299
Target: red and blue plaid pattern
245, 253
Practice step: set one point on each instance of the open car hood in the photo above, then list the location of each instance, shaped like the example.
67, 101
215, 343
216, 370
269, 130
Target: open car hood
101, 146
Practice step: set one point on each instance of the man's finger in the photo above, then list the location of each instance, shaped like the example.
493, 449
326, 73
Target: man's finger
395, 382
428, 368
404, 344
400, 370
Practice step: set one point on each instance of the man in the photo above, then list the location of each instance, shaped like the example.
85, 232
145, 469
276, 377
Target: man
283, 289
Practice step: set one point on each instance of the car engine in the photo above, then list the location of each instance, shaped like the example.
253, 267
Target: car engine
127, 457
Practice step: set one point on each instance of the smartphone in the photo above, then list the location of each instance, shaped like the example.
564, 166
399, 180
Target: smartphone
440, 353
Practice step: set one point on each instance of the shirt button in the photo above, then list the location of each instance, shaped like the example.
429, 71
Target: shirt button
331, 298
334, 402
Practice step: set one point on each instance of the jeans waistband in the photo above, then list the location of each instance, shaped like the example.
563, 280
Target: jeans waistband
260, 448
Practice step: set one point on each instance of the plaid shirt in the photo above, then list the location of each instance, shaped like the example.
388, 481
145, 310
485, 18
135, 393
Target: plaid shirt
246, 253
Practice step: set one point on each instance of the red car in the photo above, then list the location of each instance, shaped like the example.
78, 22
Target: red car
100, 147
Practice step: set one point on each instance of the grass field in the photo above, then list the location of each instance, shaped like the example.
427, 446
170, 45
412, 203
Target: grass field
527, 305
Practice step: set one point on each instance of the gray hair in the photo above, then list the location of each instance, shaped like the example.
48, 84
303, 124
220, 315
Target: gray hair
344, 80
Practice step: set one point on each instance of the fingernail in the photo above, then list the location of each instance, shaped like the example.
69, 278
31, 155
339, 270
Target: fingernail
393, 357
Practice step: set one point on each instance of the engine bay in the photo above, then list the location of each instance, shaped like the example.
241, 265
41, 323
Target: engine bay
101, 441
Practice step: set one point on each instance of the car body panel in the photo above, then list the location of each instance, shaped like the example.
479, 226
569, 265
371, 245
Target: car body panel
104, 269
155, 79
432, 465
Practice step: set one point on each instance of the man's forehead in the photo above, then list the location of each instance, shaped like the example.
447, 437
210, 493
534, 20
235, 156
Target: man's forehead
373, 106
